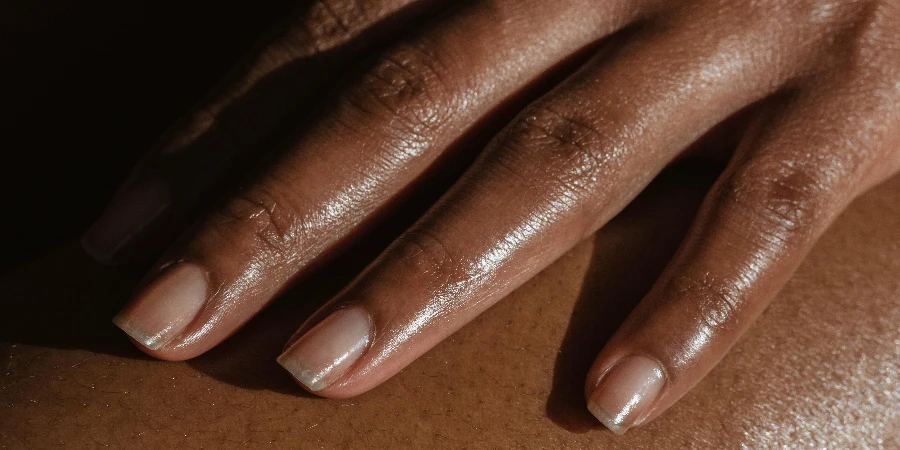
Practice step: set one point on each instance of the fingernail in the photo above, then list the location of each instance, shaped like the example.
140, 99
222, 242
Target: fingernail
326, 352
165, 307
132, 209
625, 393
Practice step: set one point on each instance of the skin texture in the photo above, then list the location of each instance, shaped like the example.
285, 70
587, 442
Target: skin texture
568, 163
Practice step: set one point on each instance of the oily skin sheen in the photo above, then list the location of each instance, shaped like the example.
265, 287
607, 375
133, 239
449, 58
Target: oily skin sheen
570, 161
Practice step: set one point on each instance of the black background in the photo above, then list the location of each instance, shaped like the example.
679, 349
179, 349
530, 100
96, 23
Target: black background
86, 87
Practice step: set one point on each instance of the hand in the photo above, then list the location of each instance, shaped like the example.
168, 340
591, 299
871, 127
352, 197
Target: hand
665, 74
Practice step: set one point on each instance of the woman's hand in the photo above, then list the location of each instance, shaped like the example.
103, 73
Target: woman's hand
560, 170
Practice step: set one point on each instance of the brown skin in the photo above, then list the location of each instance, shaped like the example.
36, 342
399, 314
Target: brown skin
566, 165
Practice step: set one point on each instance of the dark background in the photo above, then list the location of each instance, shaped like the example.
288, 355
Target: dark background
86, 87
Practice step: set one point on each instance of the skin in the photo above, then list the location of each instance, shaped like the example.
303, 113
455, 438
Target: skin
820, 81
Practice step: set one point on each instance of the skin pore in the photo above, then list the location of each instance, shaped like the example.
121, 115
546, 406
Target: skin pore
665, 74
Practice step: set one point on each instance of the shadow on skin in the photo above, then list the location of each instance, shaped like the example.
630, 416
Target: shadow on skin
247, 360
66, 300
620, 273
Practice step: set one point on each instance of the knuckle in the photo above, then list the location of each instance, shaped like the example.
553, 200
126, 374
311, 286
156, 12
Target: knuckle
264, 217
406, 87
570, 152
786, 200
429, 257
563, 137
574, 152
717, 302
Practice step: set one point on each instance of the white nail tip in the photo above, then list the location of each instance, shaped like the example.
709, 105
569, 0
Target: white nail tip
166, 307
326, 352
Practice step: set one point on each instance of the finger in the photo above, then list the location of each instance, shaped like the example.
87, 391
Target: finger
784, 187
419, 99
567, 165
268, 88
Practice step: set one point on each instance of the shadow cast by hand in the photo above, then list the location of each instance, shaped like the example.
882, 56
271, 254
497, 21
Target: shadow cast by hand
629, 254
66, 300
247, 360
